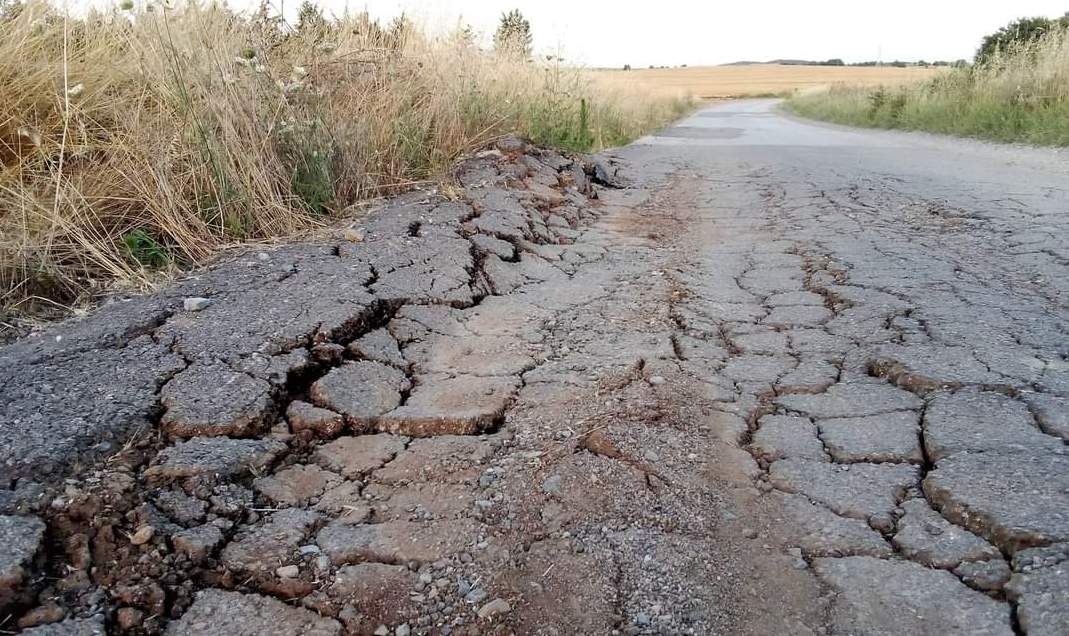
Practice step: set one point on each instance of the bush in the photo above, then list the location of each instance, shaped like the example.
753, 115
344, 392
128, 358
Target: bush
1018, 33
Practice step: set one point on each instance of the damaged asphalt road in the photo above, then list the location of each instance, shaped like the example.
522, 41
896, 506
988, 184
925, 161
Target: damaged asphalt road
790, 378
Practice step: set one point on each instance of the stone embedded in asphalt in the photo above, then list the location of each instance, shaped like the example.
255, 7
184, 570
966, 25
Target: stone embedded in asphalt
890, 437
21, 537
203, 456
354, 457
296, 485
262, 548
378, 346
1051, 412
926, 537
852, 399
235, 614
445, 458
199, 542
303, 416
1042, 598
461, 405
361, 391
783, 436
820, 532
969, 420
70, 627
494, 608
378, 591
858, 491
877, 596
196, 303
1015, 500
986, 576
396, 542
211, 399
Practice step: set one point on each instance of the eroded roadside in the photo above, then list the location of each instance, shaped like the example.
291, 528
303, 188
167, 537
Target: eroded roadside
470, 420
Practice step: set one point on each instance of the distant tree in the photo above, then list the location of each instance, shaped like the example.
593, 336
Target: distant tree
513, 35
310, 21
1016, 33
834, 62
627, 67
10, 9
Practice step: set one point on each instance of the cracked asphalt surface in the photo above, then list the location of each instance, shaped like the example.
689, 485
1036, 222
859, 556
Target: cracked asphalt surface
761, 376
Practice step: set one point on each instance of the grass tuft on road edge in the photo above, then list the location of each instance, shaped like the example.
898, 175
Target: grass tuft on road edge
135, 140
1019, 95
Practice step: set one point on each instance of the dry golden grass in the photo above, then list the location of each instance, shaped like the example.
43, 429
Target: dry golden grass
134, 141
716, 82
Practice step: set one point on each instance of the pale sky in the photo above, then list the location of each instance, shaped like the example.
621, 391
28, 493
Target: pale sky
674, 32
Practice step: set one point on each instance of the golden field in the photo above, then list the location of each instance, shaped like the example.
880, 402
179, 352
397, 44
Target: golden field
713, 82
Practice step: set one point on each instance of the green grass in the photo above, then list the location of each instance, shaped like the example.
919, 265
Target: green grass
1020, 96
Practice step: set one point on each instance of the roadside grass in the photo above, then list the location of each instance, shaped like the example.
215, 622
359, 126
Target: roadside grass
133, 142
1019, 95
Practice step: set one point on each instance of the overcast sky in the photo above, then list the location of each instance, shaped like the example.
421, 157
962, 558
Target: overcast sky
673, 32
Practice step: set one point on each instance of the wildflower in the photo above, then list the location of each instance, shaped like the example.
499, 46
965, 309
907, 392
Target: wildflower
299, 72
248, 53
76, 91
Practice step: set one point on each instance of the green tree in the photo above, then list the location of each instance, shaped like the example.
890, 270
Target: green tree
1018, 32
310, 21
513, 35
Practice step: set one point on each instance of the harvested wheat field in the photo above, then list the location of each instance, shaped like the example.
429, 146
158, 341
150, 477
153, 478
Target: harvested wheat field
749, 80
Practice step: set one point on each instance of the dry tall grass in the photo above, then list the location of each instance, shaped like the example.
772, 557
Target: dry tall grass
1020, 94
132, 141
